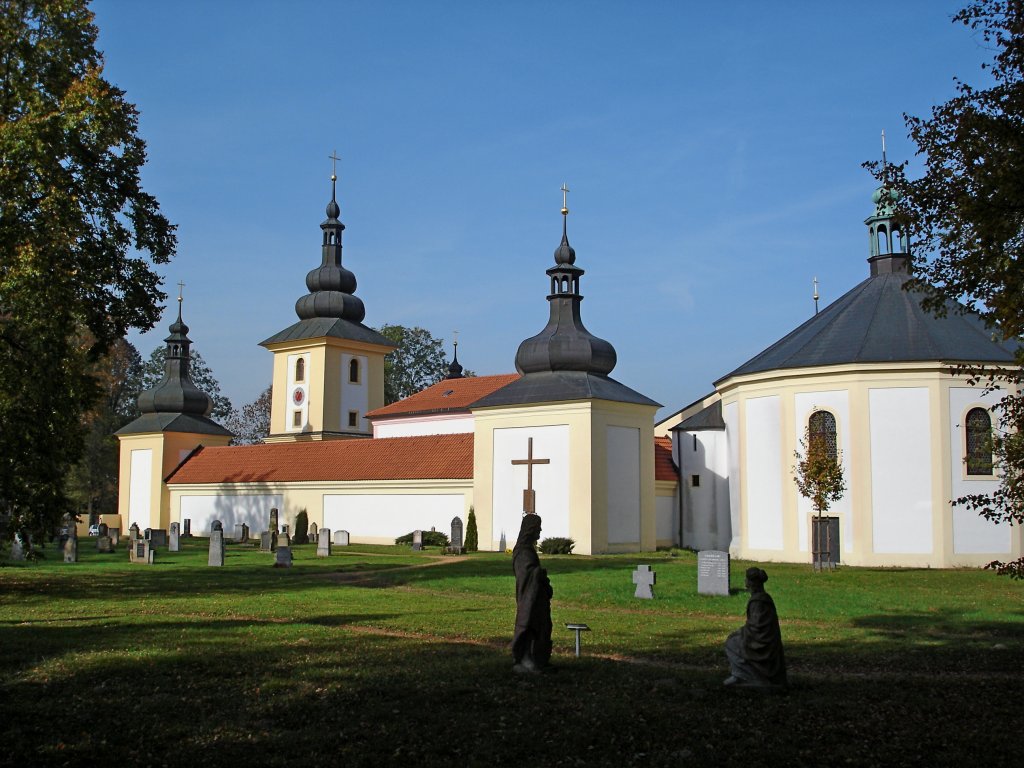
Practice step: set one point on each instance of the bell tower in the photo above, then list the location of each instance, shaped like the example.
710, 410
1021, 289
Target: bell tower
328, 367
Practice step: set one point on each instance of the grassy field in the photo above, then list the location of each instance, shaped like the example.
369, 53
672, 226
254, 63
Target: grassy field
379, 656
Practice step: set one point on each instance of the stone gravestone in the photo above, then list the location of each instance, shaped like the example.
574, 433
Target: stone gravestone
314, 535
174, 542
103, 543
323, 545
239, 532
245, 533
216, 557
341, 538
417, 541
273, 520
17, 548
157, 537
713, 572
115, 536
133, 532
71, 545
644, 578
268, 541
141, 552
283, 558
187, 525
456, 542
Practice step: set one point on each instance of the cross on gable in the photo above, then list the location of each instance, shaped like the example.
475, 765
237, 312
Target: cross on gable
644, 578
529, 495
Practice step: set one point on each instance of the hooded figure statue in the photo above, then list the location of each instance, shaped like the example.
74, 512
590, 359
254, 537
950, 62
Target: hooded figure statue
755, 650
531, 644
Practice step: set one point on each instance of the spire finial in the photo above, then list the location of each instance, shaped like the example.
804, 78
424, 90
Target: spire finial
181, 285
333, 157
565, 200
816, 295
455, 370
885, 167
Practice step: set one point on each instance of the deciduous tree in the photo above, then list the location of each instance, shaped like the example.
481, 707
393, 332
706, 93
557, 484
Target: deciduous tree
252, 423
818, 473
417, 362
78, 241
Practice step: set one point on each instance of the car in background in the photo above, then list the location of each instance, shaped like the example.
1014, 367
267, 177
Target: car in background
94, 530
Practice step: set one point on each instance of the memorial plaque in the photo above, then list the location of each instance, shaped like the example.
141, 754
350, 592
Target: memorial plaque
341, 538
713, 572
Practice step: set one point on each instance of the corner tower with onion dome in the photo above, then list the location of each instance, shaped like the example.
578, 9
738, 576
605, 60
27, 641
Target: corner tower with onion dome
328, 367
174, 422
565, 440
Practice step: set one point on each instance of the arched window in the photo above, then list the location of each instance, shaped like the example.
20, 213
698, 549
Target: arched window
883, 241
822, 426
979, 442
353, 371
300, 369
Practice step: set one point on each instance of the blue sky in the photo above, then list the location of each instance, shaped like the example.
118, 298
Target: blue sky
712, 150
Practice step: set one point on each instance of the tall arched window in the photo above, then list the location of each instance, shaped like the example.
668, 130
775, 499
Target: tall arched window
822, 426
353, 371
300, 369
979, 442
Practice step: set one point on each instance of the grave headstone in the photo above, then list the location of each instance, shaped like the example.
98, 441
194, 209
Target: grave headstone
456, 538
157, 537
216, 557
314, 534
283, 539
268, 541
133, 532
217, 525
286, 531
104, 543
239, 532
417, 541
341, 538
187, 528
71, 549
174, 542
115, 536
713, 572
141, 552
283, 557
17, 548
245, 533
323, 546
644, 578
273, 520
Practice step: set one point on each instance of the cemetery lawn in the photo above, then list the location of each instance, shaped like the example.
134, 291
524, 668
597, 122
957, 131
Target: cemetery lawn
379, 656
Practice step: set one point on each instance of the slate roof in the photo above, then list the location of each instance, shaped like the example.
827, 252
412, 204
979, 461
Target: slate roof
664, 468
430, 457
879, 322
448, 395
173, 422
704, 419
334, 327
556, 386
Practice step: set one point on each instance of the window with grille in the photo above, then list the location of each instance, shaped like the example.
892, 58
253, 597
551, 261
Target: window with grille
821, 427
979, 442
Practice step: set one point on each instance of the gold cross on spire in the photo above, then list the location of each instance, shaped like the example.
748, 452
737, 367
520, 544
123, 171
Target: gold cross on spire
333, 157
565, 199
180, 286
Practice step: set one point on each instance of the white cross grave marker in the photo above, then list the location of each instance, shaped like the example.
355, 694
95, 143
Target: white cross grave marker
644, 579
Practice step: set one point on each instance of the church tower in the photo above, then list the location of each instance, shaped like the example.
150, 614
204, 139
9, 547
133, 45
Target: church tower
328, 367
174, 422
574, 445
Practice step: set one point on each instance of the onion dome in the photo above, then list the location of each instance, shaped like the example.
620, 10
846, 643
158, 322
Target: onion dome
331, 286
175, 392
565, 344
455, 370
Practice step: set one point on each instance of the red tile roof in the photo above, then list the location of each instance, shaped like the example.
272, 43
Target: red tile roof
664, 469
446, 396
430, 457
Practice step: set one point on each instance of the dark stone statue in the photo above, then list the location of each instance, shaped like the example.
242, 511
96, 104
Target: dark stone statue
755, 650
531, 644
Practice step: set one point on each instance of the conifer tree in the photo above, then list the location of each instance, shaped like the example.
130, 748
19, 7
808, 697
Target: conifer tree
472, 537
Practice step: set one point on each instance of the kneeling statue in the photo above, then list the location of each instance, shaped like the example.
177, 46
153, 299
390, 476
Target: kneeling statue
755, 650
531, 644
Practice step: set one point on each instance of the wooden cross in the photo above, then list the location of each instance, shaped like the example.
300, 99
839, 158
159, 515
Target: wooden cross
333, 157
529, 495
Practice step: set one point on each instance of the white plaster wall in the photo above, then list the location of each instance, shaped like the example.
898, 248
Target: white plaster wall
972, 534
706, 512
429, 425
391, 516
231, 510
355, 396
623, 479
731, 417
901, 470
291, 407
838, 402
550, 481
140, 488
667, 524
763, 478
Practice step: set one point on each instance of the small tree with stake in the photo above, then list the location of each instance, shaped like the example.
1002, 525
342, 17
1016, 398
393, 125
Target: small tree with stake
819, 478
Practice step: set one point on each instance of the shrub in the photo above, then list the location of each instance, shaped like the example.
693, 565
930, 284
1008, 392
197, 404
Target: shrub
557, 545
430, 539
472, 537
301, 535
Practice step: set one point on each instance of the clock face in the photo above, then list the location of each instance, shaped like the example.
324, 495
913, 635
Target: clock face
298, 396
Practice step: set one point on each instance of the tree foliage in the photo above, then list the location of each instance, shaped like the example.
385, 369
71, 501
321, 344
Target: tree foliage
199, 372
417, 362
252, 423
818, 474
965, 216
472, 543
78, 240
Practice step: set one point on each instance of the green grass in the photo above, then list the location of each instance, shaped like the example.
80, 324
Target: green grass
379, 656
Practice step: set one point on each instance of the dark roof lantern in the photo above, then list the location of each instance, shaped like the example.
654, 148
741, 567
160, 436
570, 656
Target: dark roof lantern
455, 370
